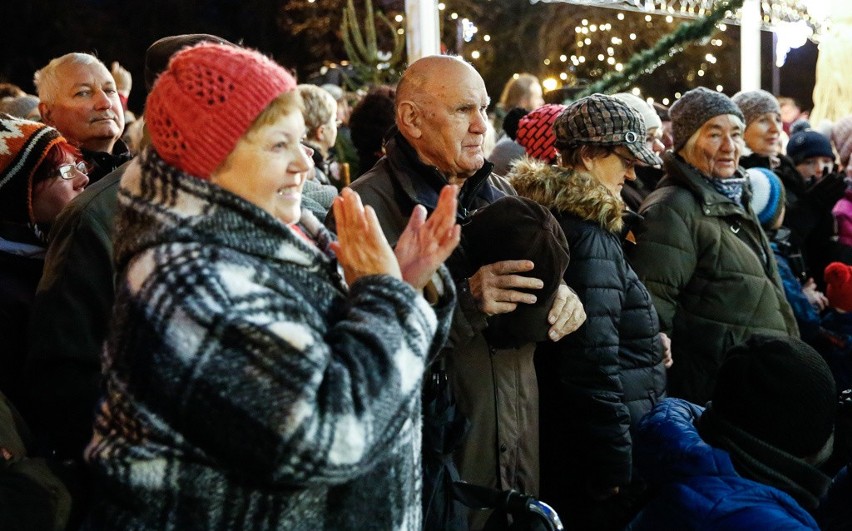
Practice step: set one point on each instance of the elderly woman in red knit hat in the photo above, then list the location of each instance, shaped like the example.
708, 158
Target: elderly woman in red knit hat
248, 384
40, 173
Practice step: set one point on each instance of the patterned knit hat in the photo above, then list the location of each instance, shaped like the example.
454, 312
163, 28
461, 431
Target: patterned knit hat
838, 286
841, 136
755, 103
23, 146
206, 100
693, 110
767, 196
535, 132
806, 144
779, 390
606, 121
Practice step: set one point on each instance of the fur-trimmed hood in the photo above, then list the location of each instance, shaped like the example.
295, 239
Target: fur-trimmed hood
567, 190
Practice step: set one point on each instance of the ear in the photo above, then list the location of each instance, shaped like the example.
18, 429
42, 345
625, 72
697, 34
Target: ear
588, 162
44, 111
409, 119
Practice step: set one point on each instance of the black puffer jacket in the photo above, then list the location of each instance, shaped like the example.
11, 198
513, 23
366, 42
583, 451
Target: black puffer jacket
600, 380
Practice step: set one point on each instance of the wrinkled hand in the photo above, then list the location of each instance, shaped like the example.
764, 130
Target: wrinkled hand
566, 314
123, 79
817, 299
667, 350
426, 243
361, 247
494, 286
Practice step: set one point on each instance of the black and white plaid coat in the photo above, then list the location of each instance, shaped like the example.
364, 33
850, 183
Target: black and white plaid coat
246, 386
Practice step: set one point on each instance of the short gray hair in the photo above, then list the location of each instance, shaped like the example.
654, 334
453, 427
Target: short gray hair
46, 80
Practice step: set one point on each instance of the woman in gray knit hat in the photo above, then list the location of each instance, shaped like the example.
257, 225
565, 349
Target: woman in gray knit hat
700, 249
808, 200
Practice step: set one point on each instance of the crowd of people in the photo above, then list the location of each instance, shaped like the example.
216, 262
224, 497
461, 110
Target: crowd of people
253, 306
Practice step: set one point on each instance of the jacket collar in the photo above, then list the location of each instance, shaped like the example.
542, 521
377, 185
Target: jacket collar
425, 190
681, 173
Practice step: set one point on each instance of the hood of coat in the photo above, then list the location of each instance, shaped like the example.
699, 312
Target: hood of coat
567, 190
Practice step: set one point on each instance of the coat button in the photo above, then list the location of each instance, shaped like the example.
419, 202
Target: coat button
503, 447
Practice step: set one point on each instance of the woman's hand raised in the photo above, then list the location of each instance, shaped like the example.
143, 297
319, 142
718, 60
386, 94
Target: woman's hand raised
426, 243
361, 247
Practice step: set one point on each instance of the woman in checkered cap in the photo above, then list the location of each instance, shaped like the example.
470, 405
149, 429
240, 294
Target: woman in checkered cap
248, 384
596, 383
701, 250
39, 175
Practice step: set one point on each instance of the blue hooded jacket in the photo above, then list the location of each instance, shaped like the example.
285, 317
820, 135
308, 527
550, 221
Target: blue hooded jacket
696, 484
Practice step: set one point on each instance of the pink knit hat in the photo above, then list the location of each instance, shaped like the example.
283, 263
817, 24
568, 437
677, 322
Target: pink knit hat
841, 136
535, 132
206, 100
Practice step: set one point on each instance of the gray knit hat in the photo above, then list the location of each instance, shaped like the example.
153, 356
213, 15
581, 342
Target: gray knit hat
755, 103
694, 108
607, 121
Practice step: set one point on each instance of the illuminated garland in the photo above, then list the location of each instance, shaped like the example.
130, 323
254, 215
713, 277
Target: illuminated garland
669, 45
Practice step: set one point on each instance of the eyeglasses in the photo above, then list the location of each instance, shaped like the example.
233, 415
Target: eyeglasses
629, 163
66, 171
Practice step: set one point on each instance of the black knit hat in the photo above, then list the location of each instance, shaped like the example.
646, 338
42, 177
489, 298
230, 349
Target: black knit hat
780, 390
158, 54
517, 228
806, 144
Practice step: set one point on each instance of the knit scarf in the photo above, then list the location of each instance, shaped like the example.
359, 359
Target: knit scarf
762, 462
732, 187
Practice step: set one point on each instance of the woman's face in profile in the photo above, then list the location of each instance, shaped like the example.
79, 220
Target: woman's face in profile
268, 167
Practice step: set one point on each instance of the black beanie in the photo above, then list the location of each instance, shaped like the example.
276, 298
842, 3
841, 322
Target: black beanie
517, 228
780, 390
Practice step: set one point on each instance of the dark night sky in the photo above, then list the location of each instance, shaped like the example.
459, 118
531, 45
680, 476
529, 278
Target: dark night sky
37, 30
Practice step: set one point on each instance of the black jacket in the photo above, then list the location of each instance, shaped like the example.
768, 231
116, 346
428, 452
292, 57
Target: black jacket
600, 380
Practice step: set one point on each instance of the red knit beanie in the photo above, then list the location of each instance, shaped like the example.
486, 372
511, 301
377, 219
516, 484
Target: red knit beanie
838, 286
206, 100
535, 132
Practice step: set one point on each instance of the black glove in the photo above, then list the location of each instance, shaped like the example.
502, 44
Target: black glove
824, 193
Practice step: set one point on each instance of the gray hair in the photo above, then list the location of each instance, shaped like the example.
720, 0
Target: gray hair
46, 80
689, 147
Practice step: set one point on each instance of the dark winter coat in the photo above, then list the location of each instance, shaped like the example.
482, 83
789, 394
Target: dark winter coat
807, 215
711, 273
600, 380
247, 386
21, 264
496, 388
696, 484
74, 301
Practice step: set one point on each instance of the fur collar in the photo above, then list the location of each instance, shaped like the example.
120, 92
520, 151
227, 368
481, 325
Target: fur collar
567, 190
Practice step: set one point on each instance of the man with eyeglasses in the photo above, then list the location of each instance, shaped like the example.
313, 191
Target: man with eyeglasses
78, 96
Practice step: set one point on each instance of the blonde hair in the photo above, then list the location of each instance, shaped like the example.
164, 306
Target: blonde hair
46, 80
516, 89
319, 107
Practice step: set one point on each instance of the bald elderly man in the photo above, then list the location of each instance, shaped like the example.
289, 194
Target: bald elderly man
441, 119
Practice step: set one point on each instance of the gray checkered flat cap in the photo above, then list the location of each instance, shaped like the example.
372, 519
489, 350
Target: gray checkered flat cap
607, 121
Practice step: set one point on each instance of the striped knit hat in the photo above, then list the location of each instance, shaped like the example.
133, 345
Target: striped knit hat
23, 146
767, 196
206, 100
535, 132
